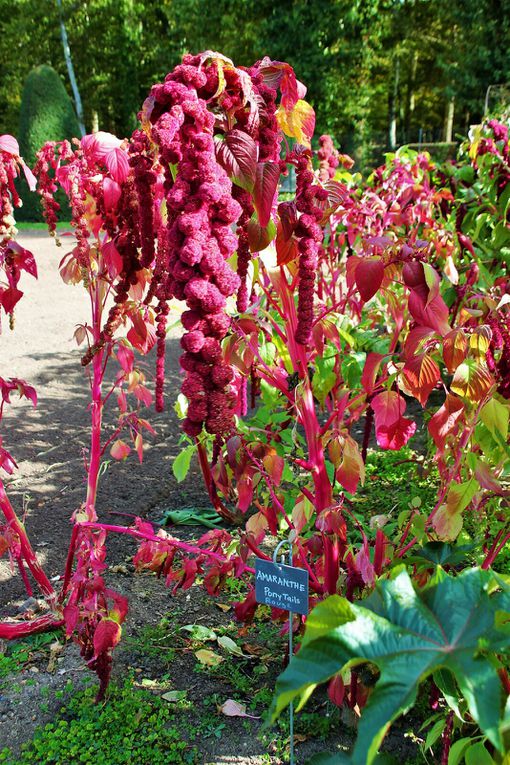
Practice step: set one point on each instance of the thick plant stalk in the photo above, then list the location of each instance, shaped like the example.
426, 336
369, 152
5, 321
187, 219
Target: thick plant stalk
95, 438
218, 505
96, 407
17, 630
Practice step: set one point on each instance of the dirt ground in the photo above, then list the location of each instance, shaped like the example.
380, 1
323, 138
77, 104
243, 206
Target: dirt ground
48, 444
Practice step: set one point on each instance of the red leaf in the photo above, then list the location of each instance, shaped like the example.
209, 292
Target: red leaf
23, 258
244, 492
421, 374
120, 605
455, 347
9, 145
278, 74
112, 258
125, 357
426, 305
112, 193
6, 461
29, 176
9, 298
274, 465
419, 340
336, 690
238, 155
190, 572
286, 249
266, 183
352, 468
433, 315
25, 390
71, 614
370, 370
445, 421
139, 446
259, 237
106, 636
245, 609
364, 564
118, 164
120, 450
288, 217
414, 276
369, 275
392, 430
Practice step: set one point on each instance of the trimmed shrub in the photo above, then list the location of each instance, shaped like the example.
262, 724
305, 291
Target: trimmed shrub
46, 114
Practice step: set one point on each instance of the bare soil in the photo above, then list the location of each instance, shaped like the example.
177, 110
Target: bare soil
49, 443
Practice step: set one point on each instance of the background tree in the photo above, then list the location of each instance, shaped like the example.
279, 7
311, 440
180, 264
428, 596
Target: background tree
378, 71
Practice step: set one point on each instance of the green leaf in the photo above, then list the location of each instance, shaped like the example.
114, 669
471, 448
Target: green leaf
325, 758
180, 465
441, 553
446, 684
434, 733
324, 377
408, 635
478, 755
494, 416
457, 750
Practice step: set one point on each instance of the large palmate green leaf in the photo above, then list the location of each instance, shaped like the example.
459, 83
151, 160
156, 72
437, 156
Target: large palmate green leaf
455, 623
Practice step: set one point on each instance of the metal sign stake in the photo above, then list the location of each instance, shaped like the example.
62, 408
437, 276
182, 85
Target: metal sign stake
288, 541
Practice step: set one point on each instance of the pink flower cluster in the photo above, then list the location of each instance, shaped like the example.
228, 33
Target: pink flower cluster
309, 233
145, 179
328, 158
265, 130
500, 347
199, 239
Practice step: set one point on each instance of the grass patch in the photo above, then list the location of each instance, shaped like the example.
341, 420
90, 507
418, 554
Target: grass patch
132, 726
21, 652
39, 226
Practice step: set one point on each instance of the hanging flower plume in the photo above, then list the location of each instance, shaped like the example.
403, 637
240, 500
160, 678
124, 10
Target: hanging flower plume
214, 134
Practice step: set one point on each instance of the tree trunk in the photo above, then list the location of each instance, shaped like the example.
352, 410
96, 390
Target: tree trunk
70, 70
410, 96
392, 109
450, 113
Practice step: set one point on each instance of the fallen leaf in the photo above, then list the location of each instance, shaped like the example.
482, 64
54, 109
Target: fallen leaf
223, 607
152, 685
233, 708
199, 632
209, 658
253, 649
119, 569
229, 645
174, 696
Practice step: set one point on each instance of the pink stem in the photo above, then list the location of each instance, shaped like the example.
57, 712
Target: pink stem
26, 549
218, 505
95, 437
192, 549
16, 630
495, 549
26, 581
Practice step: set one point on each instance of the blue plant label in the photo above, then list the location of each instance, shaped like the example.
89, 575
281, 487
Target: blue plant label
281, 586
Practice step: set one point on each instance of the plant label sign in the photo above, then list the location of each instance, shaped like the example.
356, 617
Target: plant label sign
281, 586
